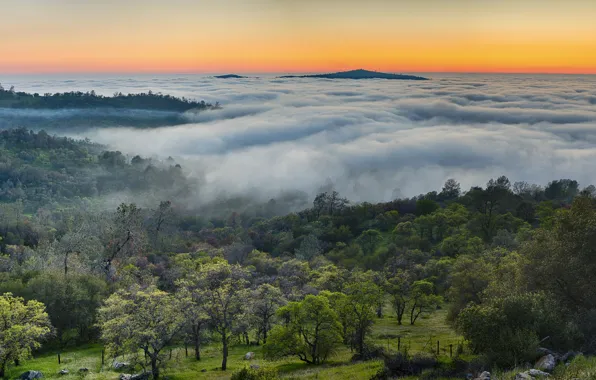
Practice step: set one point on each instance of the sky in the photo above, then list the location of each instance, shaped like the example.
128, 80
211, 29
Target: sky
257, 36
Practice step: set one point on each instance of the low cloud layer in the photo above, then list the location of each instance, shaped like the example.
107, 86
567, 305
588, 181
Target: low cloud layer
372, 140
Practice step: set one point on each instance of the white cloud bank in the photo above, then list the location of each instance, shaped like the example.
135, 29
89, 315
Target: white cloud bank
372, 139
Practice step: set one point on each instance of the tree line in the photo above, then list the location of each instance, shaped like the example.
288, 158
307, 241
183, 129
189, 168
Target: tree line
512, 264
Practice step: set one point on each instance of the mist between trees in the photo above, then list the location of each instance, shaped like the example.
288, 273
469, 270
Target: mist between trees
513, 264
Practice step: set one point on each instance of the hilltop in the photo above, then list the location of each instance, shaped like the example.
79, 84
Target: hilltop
230, 76
77, 99
358, 74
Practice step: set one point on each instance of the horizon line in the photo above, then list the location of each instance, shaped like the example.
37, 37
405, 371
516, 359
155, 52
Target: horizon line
293, 72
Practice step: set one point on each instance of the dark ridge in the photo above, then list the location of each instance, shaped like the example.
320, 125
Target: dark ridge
77, 99
230, 76
358, 74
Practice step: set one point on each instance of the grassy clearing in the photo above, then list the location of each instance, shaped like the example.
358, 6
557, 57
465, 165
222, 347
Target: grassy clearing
421, 337
417, 338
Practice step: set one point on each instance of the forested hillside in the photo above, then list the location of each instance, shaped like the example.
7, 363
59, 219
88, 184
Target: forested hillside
505, 272
58, 112
10, 98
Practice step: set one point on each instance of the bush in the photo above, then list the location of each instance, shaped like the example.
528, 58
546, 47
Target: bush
401, 364
508, 329
248, 373
370, 352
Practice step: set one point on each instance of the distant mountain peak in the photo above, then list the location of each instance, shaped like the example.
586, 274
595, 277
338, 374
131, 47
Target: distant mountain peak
358, 74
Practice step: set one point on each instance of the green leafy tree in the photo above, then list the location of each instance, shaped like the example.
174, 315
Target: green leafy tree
71, 302
196, 319
264, 302
222, 289
422, 300
141, 319
399, 287
361, 302
23, 327
310, 331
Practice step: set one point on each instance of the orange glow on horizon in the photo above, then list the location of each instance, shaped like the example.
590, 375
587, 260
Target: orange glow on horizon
282, 36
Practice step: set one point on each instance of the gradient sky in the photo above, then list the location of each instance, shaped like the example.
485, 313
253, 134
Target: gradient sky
553, 36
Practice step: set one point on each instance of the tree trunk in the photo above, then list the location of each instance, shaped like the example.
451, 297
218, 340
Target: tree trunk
361, 341
400, 313
224, 360
265, 335
66, 264
197, 347
154, 368
380, 311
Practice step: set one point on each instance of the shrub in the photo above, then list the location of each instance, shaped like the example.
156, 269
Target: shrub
507, 330
370, 352
401, 364
248, 373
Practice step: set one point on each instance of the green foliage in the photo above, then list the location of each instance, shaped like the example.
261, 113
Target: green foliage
141, 319
24, 325
221, 289
248, 373
508, 329
423, 299
310, 330
71, 302
426, 206
360, 305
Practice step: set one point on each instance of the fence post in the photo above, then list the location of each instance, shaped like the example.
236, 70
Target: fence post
437, 348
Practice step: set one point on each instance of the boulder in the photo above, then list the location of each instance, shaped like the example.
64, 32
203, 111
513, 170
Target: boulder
141, 376
542, 351
30, 375
249, 356
120, 365
524, 376
570, 356
546, 363
484, 376
538, 373
63, 372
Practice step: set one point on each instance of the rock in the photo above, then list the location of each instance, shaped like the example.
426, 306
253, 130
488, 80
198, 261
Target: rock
120, 365
546, 363
63, 372
249, 356
570, 356
544, 351
255, 366
125, 376
140, 376
484, 376
83, 370
523, 376
538, 373
30, 375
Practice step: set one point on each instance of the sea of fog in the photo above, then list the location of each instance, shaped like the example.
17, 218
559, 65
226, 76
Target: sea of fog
372, 140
